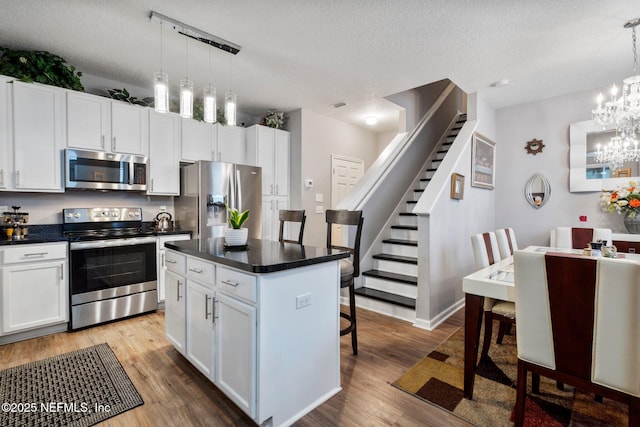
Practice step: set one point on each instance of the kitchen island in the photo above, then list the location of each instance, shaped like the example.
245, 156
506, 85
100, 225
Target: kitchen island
262, 323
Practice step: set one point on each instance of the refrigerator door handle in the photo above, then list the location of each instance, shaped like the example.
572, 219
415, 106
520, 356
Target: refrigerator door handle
239, 190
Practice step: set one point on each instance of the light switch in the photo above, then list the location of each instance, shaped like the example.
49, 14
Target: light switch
319, 209
319, 197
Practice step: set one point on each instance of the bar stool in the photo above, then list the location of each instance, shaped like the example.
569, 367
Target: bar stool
292, 216
349, 268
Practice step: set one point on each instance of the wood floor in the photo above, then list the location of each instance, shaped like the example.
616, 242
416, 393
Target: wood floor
176, 394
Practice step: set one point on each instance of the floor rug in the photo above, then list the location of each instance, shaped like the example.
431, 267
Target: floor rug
438, 379
80, 388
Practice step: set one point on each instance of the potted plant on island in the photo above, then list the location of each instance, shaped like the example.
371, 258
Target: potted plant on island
235, 235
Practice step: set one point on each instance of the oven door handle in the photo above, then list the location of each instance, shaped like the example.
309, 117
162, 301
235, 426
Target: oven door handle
111, 243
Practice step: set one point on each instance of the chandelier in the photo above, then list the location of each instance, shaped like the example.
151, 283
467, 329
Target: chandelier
623, 115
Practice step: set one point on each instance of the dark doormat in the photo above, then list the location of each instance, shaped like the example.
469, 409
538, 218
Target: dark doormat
79, 388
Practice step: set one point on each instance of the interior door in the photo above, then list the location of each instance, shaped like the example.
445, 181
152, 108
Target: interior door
345, 174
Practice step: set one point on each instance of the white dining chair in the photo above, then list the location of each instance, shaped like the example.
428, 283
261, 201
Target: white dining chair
486, 252
577, 322
506, 242
578, 237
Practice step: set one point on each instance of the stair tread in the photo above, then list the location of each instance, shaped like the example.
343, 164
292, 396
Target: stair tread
425, 179
418, 190
432, 169
401, 242
395, 277
386, 297
408, 214
397, 258
412, 202
404, 227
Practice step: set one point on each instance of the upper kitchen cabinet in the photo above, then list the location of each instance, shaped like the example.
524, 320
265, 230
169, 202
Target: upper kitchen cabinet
5, 135
99, 123
129, 128
269, 149
230, 144
88, 121
36, 138
197, 141
164, 154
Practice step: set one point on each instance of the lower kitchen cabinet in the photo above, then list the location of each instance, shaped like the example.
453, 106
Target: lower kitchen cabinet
161, 261
175, 309
268, 341
236, 355
200, 322
34, 287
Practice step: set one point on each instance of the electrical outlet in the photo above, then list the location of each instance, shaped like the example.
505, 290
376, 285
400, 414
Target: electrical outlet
303, 301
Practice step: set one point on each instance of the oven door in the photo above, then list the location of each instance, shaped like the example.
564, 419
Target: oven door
110, 264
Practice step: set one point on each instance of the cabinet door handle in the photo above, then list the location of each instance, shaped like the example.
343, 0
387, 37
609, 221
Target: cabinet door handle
162, 263
36, 254
206, 306
219, 156
170, 261
271, 188
196, 270
178, 290
102, 141
230, 283
61, 271
277, 189
17, 178
213, 307
1, 177
213, 156
113, 143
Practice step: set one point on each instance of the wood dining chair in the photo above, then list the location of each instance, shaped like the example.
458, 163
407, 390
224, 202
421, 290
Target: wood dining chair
577, 323
486, 252
294, 216
349, 268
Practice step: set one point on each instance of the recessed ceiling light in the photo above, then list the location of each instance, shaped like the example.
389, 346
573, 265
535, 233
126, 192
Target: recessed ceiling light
339, 104
500, 83
371, 120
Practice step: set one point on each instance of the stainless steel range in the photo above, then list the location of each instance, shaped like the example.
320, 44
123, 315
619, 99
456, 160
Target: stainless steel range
112, 264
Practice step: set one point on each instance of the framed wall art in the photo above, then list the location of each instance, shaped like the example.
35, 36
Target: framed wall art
457, 186
483, 160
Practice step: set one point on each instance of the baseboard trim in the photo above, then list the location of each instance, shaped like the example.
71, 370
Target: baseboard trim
436, 321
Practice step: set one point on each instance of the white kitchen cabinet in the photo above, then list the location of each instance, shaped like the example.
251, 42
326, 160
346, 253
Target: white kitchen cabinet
269, 149
34, 287
5, 135
161, 261
230, 144
175, 309
198, 141
200, 322
38, 136
88, 121
164, 154
271, 217
236, 352
129, 128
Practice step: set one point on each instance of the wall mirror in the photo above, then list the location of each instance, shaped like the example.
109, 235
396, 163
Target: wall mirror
586, 173
537, 190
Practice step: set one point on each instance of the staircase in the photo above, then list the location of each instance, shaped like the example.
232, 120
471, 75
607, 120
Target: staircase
391, 286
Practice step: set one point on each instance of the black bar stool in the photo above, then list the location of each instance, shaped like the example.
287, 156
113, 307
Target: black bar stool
292, 216
349, 269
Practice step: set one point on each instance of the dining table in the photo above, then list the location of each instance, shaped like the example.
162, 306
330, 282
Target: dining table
495, 281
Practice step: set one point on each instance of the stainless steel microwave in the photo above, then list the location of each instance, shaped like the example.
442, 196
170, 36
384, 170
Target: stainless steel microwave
97, 170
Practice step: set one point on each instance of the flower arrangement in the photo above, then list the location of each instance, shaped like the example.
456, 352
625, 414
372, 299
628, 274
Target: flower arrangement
622, 200
274, 119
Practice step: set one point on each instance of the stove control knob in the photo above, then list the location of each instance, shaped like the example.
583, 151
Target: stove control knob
76, 215
69, 215
105, 213
114, 213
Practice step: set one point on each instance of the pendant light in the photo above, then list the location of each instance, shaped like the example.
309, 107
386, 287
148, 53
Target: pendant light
186, 89
230, 101
161, 85
209, 98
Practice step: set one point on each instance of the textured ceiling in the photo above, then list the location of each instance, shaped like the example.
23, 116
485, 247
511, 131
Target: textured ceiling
312, 54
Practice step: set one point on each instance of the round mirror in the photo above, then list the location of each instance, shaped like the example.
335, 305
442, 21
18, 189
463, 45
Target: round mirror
537, 190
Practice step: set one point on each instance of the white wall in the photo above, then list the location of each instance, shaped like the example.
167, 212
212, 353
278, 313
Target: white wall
314, 138
549, 121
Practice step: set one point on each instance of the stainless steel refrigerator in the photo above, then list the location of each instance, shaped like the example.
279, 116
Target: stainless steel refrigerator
206, 187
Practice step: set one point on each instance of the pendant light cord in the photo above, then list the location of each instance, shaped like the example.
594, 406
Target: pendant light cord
635, 53
186, 42
209, 65
161, 25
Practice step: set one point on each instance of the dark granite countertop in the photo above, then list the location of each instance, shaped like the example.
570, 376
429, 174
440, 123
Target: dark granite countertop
260, 256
